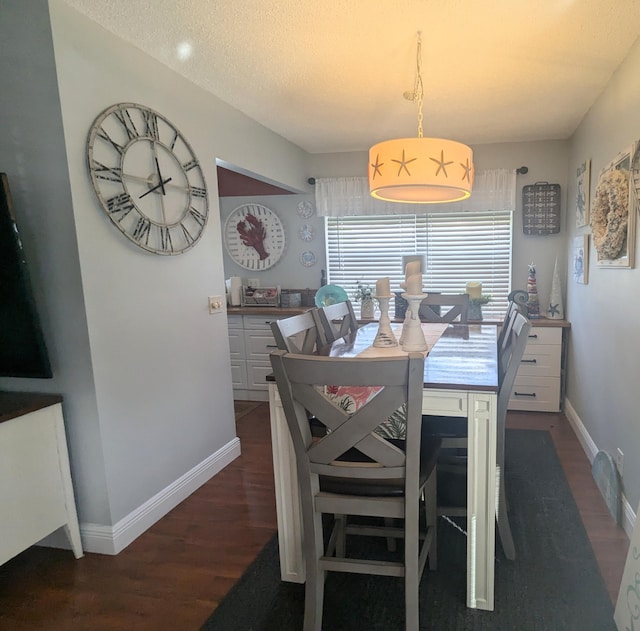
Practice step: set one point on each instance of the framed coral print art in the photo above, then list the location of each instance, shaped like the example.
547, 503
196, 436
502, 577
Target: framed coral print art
583, 183
580, 259
613, 211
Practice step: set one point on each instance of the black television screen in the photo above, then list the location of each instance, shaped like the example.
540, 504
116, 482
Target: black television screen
23, 352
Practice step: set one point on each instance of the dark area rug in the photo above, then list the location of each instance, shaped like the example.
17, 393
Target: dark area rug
553, 585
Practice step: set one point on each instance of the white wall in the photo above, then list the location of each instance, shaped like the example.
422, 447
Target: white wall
604, 369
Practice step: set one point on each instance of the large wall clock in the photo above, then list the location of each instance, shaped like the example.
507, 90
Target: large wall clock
254, 237
147, 178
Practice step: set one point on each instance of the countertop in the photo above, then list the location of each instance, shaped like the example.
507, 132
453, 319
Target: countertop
284, 312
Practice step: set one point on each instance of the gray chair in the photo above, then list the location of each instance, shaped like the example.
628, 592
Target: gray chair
510, 357
299, 333
458, 308
353, 471
337, 320
454, 431
518, 299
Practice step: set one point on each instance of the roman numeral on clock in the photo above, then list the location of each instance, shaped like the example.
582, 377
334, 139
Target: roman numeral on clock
151, 124
102, 171
120, 206
124, 118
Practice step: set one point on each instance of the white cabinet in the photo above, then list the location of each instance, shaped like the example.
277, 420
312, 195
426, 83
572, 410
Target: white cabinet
538, 383
251, 341
36, 492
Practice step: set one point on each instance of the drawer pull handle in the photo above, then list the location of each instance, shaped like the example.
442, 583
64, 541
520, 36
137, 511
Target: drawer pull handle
533, 337
524, 394
268, 322
528, 361
272, 346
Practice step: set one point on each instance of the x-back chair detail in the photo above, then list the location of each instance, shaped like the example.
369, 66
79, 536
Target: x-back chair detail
353, 471
337, 320
458, 308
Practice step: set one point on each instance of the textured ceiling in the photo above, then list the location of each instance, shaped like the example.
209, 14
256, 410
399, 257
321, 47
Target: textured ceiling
329, 75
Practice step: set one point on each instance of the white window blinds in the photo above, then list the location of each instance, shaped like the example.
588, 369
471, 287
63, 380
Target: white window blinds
458, 247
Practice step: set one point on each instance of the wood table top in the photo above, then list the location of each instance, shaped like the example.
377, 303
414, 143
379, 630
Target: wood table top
465, 357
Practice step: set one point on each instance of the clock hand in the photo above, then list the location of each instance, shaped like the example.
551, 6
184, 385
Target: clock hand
157, 186
160, 176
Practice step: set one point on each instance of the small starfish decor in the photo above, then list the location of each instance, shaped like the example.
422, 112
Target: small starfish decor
553, 309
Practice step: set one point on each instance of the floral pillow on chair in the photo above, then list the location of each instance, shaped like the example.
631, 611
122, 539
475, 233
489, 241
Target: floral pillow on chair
350, 398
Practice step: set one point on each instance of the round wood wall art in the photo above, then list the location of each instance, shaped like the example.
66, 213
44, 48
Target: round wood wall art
254, 237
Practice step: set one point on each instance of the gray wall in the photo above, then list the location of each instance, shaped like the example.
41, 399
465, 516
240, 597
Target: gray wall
288, 272
547, 161
142, 366
604, 369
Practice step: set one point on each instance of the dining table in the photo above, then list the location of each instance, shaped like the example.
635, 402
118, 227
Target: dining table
460, 380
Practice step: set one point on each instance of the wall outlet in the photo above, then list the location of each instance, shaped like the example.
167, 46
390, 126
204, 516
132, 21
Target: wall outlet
619, 460
216, 304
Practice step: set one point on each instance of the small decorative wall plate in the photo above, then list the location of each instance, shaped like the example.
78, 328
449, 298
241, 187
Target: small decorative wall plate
306, 209
307, 232
308, 258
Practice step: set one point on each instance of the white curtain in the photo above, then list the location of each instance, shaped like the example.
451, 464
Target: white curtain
344, 196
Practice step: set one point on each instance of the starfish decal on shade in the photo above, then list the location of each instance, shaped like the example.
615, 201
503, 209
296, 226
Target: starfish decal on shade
467, 171
376, 167
553, 309
442, 165
403, 163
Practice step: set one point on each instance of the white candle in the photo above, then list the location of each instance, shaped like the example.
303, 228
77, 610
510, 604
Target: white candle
383, 287
414, 284
474, 289
411, 268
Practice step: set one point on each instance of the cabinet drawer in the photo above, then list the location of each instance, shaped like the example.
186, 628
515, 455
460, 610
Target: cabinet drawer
540, 361
536, 394
258, 345
234, 321
257, 372
236, 344
258, 322
239, 374
444, 403
544, 335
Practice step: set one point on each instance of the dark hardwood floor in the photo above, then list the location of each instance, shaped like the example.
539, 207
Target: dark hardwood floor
174, 575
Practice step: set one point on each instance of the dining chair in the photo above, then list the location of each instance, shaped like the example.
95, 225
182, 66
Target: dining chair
458, 308
510, 358
452, 463
337, 320
517, 302
352, 471
299, 333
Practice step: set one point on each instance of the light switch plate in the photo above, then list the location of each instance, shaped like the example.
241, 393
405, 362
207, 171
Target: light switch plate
216, 304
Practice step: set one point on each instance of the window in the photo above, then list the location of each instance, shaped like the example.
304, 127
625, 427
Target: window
458, 247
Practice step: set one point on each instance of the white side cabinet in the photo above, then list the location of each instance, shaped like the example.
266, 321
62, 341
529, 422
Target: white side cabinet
36, 493
251, 341
538, 383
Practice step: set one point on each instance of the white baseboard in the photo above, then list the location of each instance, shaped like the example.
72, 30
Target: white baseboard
591, 449
113, 539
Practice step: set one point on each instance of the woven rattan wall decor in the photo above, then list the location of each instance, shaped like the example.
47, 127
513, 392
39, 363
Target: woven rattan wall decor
541, 208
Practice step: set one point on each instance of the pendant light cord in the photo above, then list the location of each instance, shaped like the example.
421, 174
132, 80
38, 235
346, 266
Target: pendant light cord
418, 90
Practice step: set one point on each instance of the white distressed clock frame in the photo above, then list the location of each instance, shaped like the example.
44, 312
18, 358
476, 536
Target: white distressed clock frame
147, 179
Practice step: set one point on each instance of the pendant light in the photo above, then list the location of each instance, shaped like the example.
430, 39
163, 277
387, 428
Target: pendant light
420, 170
